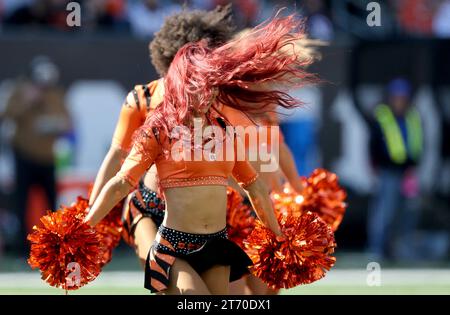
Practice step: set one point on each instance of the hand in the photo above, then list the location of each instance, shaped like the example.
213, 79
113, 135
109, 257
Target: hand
88, 218
281, 238
277, 179
298, 186
279, 234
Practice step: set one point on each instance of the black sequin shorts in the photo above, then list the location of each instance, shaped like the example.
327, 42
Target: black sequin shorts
144, 203
201, 251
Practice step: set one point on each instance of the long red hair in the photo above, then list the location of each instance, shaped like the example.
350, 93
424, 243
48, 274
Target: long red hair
251, 73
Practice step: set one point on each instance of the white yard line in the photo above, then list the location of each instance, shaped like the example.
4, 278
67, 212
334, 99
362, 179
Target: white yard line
351, 277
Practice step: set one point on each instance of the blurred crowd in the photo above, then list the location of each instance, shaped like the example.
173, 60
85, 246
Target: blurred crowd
326, 18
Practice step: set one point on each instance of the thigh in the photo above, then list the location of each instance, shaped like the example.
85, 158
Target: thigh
256, 286
184, 280
239, 287
144, 235
217, 279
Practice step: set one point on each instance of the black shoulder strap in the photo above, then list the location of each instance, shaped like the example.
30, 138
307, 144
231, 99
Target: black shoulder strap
222, 123
147, 96
136, 98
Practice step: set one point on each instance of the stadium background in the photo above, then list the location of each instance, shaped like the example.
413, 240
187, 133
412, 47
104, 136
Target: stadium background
100, 61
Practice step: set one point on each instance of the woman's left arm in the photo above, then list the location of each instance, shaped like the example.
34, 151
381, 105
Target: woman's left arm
287, 165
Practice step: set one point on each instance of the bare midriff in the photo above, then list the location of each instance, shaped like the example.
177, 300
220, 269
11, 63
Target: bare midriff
204, 214
151, 179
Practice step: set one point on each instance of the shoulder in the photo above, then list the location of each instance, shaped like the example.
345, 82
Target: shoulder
234, 116
140, 96
157, 93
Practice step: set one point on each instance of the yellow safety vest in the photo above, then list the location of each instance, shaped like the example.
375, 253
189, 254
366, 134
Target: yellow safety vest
397, 149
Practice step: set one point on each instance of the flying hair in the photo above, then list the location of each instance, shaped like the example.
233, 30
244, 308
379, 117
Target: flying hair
251, 73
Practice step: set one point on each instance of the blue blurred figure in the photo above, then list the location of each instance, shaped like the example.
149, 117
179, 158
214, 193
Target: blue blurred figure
396, 143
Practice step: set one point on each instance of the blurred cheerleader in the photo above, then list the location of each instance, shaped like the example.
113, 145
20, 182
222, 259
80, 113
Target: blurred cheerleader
191, 253
144, 207
285, 171
305, 50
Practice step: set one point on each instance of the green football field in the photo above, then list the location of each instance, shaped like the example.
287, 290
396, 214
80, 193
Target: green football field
346, 281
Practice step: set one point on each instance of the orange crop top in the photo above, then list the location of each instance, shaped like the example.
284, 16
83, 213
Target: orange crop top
181, 173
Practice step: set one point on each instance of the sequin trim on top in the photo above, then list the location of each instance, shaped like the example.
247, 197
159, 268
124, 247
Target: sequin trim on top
195, 181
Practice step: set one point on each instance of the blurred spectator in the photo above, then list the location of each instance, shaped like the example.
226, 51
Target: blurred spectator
106, 14
396, 143
441, 20
415, 17
37, 110
318, 23
197, 4
9, 226
8, 6
443, 181
245, 12
40, 13
147, 16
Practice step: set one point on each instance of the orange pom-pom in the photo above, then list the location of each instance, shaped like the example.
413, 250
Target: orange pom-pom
67, 251
301, 257
109, 228
240, 221
322, 195
77, 208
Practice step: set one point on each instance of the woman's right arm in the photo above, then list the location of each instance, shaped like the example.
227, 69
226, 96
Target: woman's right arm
115, 190
130, 119
110, 167
142, 155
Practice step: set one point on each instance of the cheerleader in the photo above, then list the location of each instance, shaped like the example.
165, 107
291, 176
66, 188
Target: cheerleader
191, 253
286, 171
306, 50
144, 207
